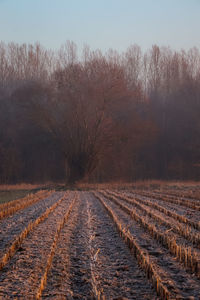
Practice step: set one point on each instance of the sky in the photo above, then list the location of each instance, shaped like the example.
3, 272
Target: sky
102, 24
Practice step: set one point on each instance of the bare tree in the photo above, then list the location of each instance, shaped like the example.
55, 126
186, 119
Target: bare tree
81, 113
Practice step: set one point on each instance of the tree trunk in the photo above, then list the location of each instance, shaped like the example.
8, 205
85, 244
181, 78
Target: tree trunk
75, 171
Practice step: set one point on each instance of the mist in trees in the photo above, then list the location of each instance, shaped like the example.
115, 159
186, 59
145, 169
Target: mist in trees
98, 117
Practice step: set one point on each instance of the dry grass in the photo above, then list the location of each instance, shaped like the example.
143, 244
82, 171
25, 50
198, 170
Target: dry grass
140, 184
21, 186
7, 196
12, 192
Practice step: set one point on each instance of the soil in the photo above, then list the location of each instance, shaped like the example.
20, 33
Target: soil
91, 260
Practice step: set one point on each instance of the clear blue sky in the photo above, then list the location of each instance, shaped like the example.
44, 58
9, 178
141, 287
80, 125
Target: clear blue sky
102, 24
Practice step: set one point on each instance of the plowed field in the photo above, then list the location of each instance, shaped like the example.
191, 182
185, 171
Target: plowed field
104, 244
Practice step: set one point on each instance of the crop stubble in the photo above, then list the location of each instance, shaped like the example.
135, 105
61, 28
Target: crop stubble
77, 250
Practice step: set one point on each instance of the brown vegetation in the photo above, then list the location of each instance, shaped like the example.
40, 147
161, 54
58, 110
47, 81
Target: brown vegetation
105, 117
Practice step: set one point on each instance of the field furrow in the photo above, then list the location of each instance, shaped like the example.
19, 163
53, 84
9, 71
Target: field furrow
10, 208
53, 249
188, 256
58, 279
163, 217
185, 195
97, 265
172, 280
21, 277
116, 271
104, 244
187, 215
11, 227
175, 200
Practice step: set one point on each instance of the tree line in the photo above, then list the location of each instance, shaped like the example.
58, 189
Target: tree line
98, 116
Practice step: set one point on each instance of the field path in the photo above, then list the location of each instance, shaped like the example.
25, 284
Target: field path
92, 260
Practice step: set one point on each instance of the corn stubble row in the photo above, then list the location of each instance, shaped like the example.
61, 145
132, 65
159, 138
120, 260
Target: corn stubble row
182, 198
8, 209
18, 241
53, 249
183, 202
143, 258
97, 292
191, 195
178, 228
186, 255
180, 218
